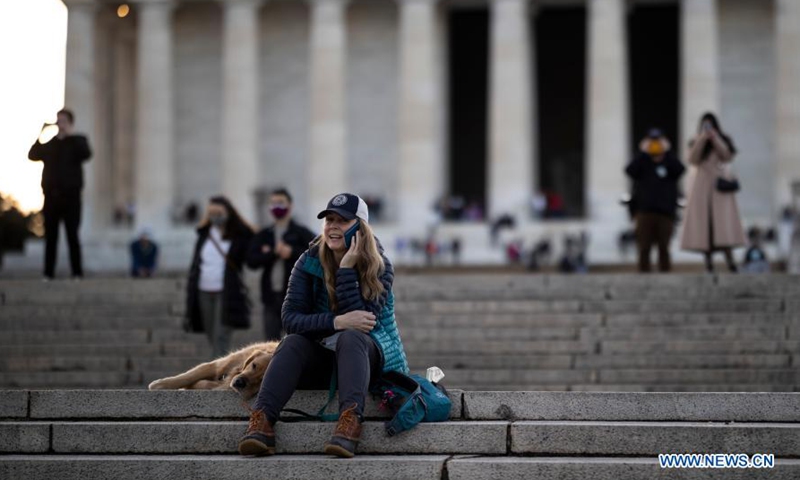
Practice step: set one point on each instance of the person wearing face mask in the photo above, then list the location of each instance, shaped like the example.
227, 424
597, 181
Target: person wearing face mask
339, 317
216, 300
655, 172
276, 249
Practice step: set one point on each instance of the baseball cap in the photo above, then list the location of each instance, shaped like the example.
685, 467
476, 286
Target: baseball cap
347, 205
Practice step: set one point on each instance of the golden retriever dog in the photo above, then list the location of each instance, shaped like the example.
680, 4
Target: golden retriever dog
241, 371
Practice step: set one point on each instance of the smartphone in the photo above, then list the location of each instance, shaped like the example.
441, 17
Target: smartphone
350, 233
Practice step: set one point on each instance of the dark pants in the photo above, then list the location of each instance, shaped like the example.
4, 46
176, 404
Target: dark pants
60, 207
302, 363
273, 325
654, 229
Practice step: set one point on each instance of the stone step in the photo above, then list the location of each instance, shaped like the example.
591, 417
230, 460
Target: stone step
575, 306
671, 388
613, 406
164, 404
602, 468
139, 404
199, 437
87, 310
222, 467
652, 438
733, 347
546, 437
699, 319
378, 467
631, 292
664, 361
624, 376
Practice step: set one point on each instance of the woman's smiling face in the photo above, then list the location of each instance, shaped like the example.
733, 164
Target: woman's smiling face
333, 229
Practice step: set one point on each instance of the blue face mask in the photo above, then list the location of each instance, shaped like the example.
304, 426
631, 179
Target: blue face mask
350, 233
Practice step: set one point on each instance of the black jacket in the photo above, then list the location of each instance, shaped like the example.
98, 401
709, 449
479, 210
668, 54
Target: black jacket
63, 163
655, 185
235, 301
297, 236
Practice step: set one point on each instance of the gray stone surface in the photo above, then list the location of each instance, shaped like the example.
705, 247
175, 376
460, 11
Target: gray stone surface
496, 320
222, 467
124, 404
22, 437
683, 361
652, 438
297, 437
600, 468
704, 376
665, 333
695, 347
13, 403
743, 407
697, 319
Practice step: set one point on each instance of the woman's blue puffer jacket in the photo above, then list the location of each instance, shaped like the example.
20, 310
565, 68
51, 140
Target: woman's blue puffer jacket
306, 310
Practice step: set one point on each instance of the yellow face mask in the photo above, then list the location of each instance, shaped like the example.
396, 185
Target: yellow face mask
655, 147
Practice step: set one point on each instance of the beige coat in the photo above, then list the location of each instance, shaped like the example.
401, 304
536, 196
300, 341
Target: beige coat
705, 200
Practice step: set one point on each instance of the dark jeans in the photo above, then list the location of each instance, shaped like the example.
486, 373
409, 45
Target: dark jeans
58, 207
302, 363
654, 229
273, 325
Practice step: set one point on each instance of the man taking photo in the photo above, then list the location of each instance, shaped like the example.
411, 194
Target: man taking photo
62, 182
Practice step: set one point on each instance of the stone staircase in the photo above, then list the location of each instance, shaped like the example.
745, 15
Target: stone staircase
133, 434
487, 332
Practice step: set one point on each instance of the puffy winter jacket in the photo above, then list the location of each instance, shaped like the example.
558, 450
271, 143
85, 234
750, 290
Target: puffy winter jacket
306, 310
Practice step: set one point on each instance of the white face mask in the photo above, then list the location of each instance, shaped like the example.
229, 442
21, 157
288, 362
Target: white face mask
218, 220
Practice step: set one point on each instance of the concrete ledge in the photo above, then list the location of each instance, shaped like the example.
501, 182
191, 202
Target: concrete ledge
122, 404
300, 437
223, 467
600, 468
732, 407
18, 437
652, 438
13, 404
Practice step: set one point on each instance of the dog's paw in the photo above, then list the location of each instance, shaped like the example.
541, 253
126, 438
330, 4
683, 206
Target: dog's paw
157, 385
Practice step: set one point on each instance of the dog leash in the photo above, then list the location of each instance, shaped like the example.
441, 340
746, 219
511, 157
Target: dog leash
321, 415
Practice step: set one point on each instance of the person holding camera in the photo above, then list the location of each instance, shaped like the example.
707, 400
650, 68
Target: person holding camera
342, 332
62, 181
276, 249
712, 221
655, 172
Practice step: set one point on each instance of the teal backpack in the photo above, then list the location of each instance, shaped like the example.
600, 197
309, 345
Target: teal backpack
412, 399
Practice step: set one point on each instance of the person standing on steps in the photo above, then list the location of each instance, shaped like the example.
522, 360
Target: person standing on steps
62, 182
712, 221
276, 249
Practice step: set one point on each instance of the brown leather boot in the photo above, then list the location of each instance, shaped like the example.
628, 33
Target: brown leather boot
260, 438
345, 438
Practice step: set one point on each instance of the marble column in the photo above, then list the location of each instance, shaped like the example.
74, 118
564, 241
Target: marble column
608, 146
124, 116
240, 104
510, 128
79, 95
155, 169
327, 169
421, 181
700, 84
787, 126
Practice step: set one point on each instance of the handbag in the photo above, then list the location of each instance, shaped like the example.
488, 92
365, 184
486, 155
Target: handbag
725, 185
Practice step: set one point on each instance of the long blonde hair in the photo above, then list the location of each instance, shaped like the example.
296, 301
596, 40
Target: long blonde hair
370, 266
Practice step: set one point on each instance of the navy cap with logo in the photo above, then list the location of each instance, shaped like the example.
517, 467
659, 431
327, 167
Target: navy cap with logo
347, 205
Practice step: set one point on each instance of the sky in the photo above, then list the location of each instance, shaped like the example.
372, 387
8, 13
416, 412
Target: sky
33, 41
